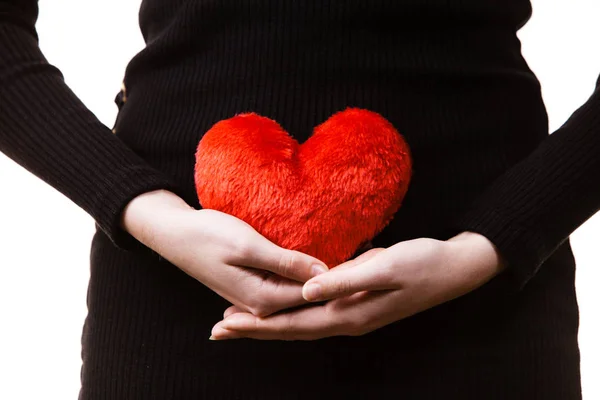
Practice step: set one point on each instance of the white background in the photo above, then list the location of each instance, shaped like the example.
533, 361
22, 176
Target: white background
43, 287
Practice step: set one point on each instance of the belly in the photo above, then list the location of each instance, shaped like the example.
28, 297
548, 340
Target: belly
467, 113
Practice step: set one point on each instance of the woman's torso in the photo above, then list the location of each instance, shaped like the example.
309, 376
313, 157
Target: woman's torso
450, 76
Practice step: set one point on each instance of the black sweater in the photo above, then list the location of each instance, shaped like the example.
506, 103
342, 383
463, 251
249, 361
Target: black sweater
448, 74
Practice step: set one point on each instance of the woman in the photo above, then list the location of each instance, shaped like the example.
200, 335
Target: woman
470, 289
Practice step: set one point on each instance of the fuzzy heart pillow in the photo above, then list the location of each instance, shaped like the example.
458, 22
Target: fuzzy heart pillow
326, 197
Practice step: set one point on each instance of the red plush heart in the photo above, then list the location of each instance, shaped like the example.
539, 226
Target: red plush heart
326, 197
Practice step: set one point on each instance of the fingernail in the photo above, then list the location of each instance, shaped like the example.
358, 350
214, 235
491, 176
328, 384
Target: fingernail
318, 269
218, 333
312, 291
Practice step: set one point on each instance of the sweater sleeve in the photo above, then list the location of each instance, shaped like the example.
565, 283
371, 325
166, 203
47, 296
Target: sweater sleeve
533, 208
47, 130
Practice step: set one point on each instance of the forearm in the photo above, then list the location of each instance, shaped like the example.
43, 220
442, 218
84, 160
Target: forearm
47, 130
150, 216
475, 257
533, 208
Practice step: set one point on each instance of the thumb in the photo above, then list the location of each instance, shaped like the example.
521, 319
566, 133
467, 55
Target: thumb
360, 259
287, 263
369, 275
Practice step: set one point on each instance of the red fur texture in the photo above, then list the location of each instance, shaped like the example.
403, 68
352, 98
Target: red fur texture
326, 197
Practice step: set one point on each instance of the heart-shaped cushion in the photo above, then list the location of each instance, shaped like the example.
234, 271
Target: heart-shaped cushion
326, 197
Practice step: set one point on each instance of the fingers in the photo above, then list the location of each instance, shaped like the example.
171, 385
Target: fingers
352, 316
374, 273
304, 324
218, 333
276, 294
290, 264
258, 292
231, 310
268, 298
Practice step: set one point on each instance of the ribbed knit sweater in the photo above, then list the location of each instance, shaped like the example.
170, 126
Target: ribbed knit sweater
451, 78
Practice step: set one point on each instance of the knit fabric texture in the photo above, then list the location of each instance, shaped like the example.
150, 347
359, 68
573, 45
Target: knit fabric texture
448, 75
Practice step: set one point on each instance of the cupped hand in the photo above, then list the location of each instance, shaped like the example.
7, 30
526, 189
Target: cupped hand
221, 251
376, 289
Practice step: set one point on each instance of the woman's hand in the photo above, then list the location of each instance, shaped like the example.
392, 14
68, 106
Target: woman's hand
377, 288
221, 251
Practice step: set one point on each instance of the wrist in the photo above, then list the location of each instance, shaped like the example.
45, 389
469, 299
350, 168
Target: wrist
150, 214
478, 259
